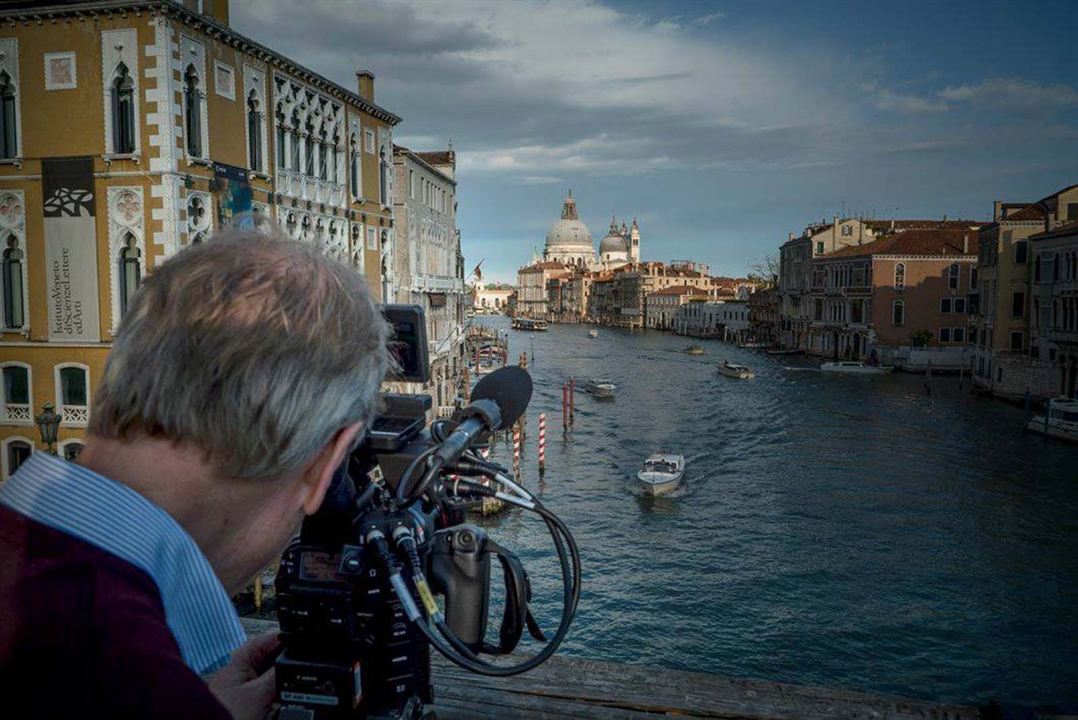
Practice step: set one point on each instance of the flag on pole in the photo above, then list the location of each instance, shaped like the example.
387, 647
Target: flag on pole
477, 272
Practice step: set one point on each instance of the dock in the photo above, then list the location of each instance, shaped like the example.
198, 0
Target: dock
569, 687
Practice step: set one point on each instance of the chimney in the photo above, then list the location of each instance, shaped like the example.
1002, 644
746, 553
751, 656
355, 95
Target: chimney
790, 237
365, 79
997, 210
965, 244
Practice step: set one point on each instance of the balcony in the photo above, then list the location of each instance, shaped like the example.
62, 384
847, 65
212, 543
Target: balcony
18, 414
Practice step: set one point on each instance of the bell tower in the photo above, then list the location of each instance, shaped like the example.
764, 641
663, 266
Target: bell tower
634, 242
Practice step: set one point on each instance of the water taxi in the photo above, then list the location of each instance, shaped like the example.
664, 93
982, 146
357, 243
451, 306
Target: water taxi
593, 334
694, 350
600, 387
529, 325
733, 370
661, 473
856, 368
1062, 420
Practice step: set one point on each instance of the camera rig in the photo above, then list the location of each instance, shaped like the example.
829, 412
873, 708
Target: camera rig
357, 591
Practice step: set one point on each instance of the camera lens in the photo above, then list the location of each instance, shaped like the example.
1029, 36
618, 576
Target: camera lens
465, 537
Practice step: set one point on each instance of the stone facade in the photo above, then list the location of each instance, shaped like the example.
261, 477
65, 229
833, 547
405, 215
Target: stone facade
1054, 316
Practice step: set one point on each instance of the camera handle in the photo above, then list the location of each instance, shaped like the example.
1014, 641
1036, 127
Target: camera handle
518, 593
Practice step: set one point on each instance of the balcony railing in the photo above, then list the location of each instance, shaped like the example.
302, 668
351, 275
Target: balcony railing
18, 413
75, 415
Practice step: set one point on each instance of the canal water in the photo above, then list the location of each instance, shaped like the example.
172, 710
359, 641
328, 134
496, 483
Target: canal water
845, 531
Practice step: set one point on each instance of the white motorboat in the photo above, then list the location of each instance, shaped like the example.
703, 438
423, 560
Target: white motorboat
600, 387
733, 370
593, 333
856, 368
1062, 422
661, 473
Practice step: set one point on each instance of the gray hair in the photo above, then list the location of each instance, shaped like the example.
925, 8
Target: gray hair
256, 348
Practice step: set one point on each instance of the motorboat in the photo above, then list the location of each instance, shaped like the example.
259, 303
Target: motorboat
528, 324
855, 368
1060, 420
733, 370
593, 333
694, 350
661, 473
600, 387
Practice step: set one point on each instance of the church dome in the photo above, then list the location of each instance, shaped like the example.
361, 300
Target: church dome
569, 231
614, 242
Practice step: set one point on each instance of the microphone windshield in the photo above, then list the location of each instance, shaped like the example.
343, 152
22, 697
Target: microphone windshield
510, 388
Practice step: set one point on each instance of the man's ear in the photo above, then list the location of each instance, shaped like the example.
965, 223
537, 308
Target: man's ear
318, 476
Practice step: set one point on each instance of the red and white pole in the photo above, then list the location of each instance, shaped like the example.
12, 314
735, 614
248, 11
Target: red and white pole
516, 450
572, 400
542, 443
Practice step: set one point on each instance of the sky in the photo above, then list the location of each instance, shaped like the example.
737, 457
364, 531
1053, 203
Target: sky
721, 126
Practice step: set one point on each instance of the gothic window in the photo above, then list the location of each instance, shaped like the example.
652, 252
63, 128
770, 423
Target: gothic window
973, 277
8, 120
898, 312
295, 141
335, 158
130, 272
278, 118
322, 170
254, 132
14, 312
353, 178
123, 112
952, 276
900, 276
309, 149
1037, 269
192, 103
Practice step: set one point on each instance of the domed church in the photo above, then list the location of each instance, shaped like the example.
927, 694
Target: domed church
569, 241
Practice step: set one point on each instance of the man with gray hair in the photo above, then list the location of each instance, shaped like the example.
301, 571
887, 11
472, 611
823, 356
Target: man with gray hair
243, 374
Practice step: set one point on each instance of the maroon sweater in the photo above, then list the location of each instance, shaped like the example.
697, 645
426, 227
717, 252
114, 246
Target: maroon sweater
83, 634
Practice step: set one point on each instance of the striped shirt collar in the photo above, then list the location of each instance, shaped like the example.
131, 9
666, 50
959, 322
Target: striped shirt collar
118, 520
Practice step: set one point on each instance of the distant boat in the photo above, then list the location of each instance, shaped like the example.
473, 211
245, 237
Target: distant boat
600, 387
661, 473
528, 324
855, 368
785, 352
751, 345
593, 333
1062, 420
694, 350
733, 370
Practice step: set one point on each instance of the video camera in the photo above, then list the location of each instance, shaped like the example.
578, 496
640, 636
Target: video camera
356, 591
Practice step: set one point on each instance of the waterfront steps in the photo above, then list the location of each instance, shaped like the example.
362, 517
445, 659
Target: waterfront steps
565, 687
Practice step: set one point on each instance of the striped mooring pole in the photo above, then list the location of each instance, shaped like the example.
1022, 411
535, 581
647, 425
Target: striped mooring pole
516, 451
565, 406
542, 444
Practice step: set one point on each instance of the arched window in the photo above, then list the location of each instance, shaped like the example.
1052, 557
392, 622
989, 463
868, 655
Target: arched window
71, 450
1055, 268
8, 118
383, 178
900, 275
1037, 268
973, 277
130, 272
14, 312
16, 452
123, 112
192, 104
254, 132
278, 145
952, 276
17, 407
295, 141
354, 169
308, 147
898, 312
1055, 314
335, 158
73, 393
323, 173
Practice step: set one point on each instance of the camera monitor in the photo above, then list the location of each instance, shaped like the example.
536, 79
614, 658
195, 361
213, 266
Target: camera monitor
408, 345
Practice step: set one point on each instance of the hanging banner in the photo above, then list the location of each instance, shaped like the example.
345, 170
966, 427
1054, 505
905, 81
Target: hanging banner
71, 249
234, 195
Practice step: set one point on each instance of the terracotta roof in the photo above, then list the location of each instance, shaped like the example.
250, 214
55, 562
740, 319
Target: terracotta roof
680, 290
439, 157
1070, 228
885, 225
1033, 211
913, 242
544, 265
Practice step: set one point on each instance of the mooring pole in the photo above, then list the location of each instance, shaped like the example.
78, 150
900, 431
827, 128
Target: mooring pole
516, 451
542, 444
572, 401
565, 406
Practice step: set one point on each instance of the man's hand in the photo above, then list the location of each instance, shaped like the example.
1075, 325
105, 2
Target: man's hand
246, 685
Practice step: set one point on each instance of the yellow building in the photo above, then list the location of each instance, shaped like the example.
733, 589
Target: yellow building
129, 130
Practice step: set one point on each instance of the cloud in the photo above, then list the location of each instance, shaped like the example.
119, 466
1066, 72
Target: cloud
887, 100
708, 19
541, 180
1013, 93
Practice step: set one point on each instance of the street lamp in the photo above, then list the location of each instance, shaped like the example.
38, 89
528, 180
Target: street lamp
48, 422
